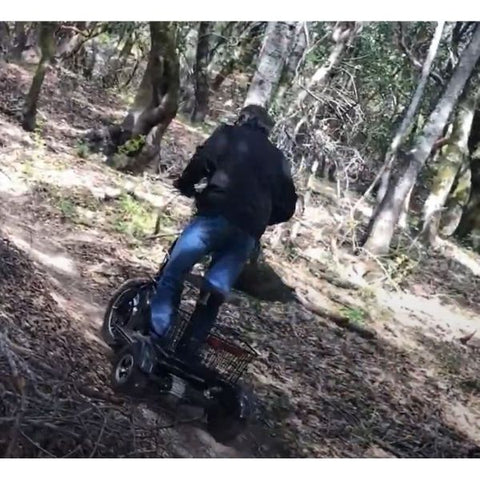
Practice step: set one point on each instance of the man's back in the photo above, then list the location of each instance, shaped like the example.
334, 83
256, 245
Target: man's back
248, 178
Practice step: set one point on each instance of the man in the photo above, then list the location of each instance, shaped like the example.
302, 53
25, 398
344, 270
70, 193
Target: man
249, 187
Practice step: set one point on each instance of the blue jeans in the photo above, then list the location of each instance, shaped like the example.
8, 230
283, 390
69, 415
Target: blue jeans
230, 248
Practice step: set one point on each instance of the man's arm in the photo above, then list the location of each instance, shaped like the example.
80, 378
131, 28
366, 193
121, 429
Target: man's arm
284, 195
204, 162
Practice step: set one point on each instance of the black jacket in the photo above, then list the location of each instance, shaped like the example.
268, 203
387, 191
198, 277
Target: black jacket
248, 179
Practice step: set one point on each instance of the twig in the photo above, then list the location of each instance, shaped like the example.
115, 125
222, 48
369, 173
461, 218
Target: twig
384, 270
16, 428
35, 444
55, 428
69, 454
162, 235
99, 438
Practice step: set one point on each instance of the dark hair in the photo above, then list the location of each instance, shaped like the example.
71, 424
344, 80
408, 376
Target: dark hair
257, 116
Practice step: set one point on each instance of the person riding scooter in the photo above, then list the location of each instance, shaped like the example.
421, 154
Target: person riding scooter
249, 187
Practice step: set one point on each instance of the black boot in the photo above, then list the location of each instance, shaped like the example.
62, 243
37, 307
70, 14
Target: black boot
200, 324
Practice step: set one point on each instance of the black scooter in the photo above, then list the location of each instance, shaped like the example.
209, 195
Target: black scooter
148, 370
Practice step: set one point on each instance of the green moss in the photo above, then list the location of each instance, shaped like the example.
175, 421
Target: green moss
132, 217
355, 315
82, 149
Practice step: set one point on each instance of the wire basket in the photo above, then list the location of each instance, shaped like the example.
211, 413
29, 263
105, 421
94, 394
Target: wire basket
229, 358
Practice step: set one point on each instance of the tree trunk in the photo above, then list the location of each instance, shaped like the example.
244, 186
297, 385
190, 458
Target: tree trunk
200, 108
20, 41
457, 200
4, 37
33, 34
470, 221
75, 46
409, 117
243, 55
342, 35
274, 52
47, 46
187, 67
451, 159
127, 47
136, 143
117, 65
385, 218
293, 61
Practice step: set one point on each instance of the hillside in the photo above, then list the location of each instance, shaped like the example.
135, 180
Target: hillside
352, 364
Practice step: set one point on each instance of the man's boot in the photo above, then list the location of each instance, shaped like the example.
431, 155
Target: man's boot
200, 324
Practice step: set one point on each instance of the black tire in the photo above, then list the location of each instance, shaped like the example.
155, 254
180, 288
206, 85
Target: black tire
230, 415
126, 377
128, 290
222, 426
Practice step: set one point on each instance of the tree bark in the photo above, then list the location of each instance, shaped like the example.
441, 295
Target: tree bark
117, 65
200, 108
470, 221
243, 55
73, 49
275, 48
457, 200
452, 157
4, 37
299, 45
409, 117
20, 41
135, 143
187, 67
127, 47
47, 46
385, 218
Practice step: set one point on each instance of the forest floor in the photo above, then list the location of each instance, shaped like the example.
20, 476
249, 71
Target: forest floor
381, 369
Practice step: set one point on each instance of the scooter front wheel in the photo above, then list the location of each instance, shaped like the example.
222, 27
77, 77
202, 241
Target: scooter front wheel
128, 308
127, 377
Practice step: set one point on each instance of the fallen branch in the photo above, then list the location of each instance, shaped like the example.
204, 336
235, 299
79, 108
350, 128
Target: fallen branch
336, 318
163, 235
337, 282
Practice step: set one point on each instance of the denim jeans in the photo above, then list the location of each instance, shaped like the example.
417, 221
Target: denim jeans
230, 248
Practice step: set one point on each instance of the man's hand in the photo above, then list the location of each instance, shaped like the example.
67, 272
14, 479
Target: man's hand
187, 191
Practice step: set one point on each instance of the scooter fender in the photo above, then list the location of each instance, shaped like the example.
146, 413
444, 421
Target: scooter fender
144, 356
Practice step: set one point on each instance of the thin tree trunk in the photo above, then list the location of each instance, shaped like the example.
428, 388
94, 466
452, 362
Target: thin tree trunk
451, 159
4, 37
470, 221
187, 67
243, 55
457, 200
127, 47
200, 108
385, 218
47, 45
274, 52
132, 73
78, 41
409, 117
117, 65
342, 35
294, 59
20, 41
33, 34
